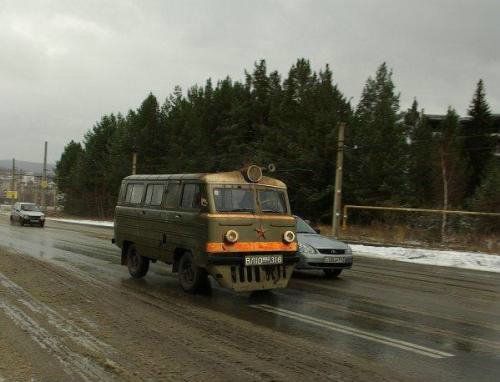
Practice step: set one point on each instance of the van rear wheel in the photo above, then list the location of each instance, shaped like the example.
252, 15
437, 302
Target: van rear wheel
192, 278
137, 265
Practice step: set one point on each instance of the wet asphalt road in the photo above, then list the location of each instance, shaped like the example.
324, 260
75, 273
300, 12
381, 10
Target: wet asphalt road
406, 321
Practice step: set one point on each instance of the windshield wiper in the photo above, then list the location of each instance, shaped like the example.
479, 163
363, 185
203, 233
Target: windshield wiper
241, 210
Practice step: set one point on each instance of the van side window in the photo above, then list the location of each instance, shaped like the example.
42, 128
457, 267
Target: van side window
172, 197
154, 194
191, 196
134, 193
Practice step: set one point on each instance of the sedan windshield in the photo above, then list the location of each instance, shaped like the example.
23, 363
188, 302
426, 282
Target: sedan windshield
234, 199
30, 207
303, 227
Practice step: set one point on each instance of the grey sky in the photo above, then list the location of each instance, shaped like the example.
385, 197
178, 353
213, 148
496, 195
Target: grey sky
63, 64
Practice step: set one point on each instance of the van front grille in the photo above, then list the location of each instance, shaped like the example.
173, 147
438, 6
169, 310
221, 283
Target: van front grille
257, 273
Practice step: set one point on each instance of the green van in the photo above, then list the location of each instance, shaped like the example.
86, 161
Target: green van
234, 226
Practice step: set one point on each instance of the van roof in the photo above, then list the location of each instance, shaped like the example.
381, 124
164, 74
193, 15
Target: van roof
230, 177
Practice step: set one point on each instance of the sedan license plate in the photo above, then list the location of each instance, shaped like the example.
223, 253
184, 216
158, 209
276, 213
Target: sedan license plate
335, 259
263, 260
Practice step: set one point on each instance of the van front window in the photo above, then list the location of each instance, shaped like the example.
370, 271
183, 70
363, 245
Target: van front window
234, 199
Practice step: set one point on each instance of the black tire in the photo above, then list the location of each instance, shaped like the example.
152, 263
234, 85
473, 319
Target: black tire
137, 265
42, 223
332, 273
192, 278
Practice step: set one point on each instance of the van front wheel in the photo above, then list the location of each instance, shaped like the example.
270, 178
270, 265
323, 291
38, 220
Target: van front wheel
192, 278
137, 265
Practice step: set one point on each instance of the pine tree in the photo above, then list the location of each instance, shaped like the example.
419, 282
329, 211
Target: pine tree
377, 169
422, 169
487, 196
479, 145
67, 177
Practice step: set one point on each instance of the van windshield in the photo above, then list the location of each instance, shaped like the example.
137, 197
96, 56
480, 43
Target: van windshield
272, 201
242, 199
234, 199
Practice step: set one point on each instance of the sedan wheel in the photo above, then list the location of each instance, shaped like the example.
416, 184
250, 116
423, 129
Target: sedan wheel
332, 273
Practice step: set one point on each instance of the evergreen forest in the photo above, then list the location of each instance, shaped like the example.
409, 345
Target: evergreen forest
393, 157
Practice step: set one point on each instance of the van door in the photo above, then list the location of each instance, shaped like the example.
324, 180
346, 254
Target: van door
151, 220
170, 216
190, 224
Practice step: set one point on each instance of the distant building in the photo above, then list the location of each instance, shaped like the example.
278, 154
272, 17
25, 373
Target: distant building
435, 119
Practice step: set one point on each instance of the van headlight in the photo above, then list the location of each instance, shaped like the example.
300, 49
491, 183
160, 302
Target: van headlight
289, 236
231, 236
306, 249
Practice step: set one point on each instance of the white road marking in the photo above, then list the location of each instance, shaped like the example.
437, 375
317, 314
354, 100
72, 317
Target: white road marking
422, 350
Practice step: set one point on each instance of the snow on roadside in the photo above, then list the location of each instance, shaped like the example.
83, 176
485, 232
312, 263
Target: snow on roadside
458, 259
98, 223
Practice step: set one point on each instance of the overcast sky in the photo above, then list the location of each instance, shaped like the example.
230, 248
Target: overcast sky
63, 64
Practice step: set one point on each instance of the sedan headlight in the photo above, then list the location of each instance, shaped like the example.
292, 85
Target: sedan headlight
306, 249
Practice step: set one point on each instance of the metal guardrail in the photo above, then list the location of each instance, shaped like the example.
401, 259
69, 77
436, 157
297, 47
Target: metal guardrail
425, 210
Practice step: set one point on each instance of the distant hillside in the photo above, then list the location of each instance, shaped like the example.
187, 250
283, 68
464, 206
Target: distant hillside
25, 166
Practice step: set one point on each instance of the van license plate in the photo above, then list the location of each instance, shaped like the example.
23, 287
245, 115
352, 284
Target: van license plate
263, 260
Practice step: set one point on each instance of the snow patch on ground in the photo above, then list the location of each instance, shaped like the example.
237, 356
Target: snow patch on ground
99, 223
458, 259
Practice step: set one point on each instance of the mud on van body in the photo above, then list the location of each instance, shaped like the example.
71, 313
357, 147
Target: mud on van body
235, 226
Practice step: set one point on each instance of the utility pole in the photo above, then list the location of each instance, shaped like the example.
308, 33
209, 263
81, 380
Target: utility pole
134, 162
13, 180
44, 178
337, 198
